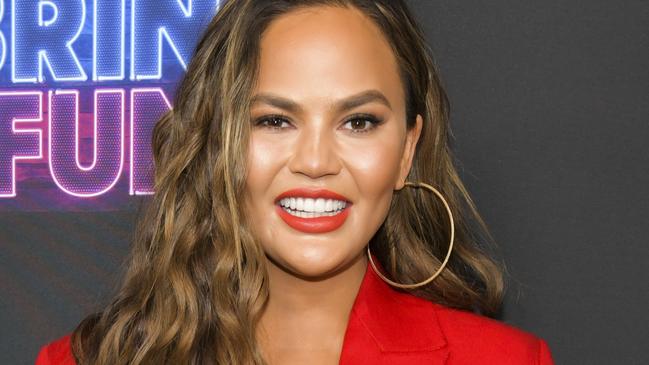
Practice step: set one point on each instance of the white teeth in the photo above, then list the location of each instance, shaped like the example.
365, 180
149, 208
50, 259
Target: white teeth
310, 205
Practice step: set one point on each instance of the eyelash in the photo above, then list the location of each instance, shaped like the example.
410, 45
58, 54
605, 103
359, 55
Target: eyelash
374, 121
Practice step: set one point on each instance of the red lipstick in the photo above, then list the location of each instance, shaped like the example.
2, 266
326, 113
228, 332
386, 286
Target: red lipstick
314, 224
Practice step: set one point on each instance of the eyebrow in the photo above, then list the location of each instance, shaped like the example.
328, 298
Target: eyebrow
344, 104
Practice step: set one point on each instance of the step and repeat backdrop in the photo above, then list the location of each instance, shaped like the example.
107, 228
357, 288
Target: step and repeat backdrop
549, 114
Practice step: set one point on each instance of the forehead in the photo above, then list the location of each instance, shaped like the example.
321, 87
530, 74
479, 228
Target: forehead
327, 53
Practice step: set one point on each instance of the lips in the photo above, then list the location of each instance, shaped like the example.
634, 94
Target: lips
320, 224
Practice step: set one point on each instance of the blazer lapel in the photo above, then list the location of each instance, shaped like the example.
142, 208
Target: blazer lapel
390, 327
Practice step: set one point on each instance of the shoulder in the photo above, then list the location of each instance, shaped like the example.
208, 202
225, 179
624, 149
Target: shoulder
57, 352
473, 339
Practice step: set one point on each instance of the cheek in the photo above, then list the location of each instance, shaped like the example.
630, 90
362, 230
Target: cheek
265, 159
257, 165
375, 165
260, 169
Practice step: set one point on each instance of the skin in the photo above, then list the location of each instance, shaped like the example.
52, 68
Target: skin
315, 57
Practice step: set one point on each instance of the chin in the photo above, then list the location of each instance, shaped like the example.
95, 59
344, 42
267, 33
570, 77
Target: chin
311, 265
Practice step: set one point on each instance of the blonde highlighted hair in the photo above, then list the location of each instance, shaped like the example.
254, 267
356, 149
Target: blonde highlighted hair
196, 278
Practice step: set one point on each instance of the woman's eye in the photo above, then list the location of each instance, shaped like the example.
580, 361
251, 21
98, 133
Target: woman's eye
357, 124
271, 121
362, 123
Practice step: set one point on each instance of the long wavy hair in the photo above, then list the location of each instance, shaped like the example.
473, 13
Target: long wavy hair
195, 281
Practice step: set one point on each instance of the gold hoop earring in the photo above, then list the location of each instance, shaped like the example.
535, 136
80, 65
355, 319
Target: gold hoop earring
450, 246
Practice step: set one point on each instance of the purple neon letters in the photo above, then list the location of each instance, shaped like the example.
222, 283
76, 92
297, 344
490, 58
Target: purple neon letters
118, 138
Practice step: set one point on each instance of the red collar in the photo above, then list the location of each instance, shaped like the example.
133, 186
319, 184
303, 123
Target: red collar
391, 327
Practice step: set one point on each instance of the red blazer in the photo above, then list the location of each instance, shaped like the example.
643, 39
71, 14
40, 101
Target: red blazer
390, 327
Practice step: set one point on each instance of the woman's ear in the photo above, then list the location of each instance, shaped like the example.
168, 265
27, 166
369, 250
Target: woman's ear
412, 136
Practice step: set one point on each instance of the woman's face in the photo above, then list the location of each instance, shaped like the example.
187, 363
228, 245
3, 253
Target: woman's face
328, 117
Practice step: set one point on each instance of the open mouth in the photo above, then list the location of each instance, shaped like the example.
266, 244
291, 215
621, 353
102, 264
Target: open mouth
312, 208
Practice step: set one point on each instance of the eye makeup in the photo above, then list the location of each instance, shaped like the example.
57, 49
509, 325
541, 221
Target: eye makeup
275, 122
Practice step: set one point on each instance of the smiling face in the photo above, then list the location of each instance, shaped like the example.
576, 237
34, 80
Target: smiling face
328, 117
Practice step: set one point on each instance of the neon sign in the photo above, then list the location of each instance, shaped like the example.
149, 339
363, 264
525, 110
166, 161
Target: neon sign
82, 83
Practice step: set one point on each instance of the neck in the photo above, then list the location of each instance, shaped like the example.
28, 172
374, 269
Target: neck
334, 292
307, 311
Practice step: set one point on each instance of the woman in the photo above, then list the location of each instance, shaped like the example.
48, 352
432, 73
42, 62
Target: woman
307, 138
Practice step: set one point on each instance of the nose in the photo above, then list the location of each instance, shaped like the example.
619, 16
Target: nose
315, 153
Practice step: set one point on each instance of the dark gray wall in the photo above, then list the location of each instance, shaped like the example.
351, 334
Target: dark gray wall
550, 110
550, 107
